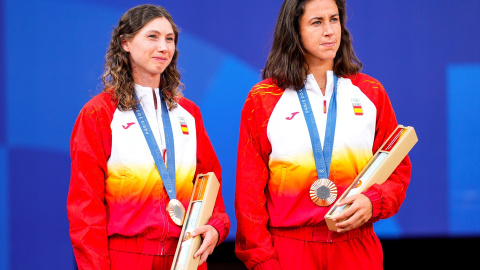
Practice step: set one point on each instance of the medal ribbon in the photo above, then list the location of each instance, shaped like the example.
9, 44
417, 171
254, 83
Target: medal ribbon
166, 173
322, 157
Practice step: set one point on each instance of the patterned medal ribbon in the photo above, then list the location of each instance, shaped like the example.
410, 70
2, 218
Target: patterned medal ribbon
323, 191
174, 207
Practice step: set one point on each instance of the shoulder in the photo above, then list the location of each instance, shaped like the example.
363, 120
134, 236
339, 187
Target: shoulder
370, 86
266, 87
101, 101
366, 83
264, 92
100, 105
188, 105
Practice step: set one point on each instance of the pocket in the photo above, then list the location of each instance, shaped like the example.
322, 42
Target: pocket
282, 180
116, 185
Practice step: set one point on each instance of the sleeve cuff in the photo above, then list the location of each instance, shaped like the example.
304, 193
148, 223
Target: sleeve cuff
271, 264
376, 200
220, 227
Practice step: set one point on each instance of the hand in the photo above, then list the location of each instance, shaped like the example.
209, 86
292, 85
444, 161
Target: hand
210, 238
356, 215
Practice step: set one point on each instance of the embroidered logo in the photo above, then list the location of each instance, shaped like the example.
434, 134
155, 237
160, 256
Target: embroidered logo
291, 117
357, 106
128, 125
183, 125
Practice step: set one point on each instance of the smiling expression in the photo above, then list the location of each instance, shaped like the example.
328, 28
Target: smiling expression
320, 31
150, 51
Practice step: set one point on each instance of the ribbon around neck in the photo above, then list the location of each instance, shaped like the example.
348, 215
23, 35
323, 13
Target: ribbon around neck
323, 156
167, 173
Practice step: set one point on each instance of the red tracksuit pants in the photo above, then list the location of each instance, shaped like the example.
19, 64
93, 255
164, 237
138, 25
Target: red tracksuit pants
131, 253
317, 248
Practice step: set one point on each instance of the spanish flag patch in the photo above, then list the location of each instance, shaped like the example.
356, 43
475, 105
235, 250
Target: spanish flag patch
357, 109
183, 125
184, 128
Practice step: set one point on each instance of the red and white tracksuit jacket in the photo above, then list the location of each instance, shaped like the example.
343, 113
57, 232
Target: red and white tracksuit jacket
115, 187
275, 164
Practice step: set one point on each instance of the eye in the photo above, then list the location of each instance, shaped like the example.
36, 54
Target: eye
152, 36
170, 39
335, 19
317, 23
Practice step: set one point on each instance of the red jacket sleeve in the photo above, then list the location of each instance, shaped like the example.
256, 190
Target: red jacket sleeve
207, 161
388, 197
90, 149
253, 244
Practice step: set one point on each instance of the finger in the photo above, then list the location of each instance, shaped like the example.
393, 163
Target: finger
349, 224
346, 200
345, 214
360, 217
200, 230
202, 249
203, 258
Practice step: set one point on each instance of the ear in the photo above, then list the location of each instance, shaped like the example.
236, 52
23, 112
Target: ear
125, 45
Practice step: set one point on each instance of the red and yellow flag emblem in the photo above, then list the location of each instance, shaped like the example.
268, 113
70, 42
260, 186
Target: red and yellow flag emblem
357, 109
183, 125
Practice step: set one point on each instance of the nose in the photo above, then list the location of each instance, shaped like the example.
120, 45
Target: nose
161, 45
328, 29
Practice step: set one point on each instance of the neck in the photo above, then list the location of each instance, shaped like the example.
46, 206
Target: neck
146, 81
319, 71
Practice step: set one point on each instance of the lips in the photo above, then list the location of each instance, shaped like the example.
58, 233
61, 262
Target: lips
328, 44
160, 59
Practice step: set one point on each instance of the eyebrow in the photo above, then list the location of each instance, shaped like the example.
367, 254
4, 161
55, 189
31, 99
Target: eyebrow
320, 18
158, 32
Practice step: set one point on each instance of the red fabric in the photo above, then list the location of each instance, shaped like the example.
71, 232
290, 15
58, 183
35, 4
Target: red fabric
388, 197
363, 253
90, 150
134, 261
138, 253
254, 242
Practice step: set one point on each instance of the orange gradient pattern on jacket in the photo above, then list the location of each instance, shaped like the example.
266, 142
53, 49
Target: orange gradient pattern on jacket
289, 177
136, 183
290, 181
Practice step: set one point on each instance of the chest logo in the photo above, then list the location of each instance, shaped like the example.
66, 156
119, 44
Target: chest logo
357, 106
183, 125
291, 117
128, 125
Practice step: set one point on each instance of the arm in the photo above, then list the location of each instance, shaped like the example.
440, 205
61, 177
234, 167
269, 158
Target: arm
90, 148
253, 243
379, 201
388, 197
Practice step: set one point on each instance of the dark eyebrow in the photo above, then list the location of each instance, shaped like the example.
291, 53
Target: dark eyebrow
320, 18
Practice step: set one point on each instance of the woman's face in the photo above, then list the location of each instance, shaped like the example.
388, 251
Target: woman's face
320, 31
151, 51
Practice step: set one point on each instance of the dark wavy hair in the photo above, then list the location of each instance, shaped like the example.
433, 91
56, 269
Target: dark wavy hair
117, 77
286, 62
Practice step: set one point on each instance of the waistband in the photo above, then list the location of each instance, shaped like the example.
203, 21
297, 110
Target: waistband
142, 245
321, 233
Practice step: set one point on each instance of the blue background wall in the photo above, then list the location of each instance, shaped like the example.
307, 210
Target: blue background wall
51, 56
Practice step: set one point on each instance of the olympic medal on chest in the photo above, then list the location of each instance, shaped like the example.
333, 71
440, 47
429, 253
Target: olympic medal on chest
323, 192
176, 211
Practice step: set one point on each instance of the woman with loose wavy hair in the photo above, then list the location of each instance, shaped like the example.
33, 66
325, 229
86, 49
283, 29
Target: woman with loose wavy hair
118, 79
287, 64
137, 149
307, 131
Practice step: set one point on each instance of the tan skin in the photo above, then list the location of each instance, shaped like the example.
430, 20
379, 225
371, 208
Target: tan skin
151, 50
320, 32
